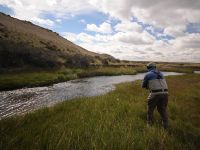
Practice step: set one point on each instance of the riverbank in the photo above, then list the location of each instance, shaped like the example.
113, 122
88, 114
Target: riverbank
15, 80
19, 79
112, 121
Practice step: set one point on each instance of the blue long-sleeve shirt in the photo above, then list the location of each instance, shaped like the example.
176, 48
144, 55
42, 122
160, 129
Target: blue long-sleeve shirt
151, 75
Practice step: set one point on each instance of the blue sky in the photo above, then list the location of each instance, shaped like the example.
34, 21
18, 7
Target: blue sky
129, 29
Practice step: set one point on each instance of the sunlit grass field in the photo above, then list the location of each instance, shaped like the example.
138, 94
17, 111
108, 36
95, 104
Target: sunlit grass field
116, 120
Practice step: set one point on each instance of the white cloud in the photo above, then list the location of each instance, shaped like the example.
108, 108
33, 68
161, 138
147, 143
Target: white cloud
70, 36
86, 38
188, 42
81, 37
40, 21
103, 28
128, 26
134, 38
175, 31
157, 12
120, 9
99, 38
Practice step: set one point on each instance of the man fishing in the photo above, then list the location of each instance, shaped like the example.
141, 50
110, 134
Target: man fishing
155, 82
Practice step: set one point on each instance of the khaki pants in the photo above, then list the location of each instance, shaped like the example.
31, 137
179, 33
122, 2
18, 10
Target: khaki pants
160, 101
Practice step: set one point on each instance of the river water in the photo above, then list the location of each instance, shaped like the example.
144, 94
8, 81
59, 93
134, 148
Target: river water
197, 72
24, 100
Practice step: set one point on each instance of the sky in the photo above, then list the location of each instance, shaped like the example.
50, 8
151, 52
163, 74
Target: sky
137, 30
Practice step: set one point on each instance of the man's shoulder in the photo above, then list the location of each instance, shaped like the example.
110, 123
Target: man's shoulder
149, 73
153, 74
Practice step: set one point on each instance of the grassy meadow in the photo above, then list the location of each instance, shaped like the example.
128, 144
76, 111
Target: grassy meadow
116, 120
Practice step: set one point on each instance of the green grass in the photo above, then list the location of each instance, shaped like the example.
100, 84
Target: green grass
16, 80
10, 81
116, 120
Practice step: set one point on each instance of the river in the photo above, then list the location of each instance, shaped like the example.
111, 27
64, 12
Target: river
24, 100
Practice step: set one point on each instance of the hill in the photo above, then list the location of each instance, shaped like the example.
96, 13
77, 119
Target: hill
24, 45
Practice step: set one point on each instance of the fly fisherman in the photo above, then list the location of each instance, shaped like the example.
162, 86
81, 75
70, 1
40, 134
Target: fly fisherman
154, 81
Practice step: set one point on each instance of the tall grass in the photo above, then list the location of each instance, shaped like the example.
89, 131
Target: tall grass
116, 120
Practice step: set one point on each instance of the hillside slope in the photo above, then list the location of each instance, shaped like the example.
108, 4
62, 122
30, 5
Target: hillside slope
25, 45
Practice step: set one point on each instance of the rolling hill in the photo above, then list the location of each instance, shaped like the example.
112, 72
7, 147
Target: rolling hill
24, 45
